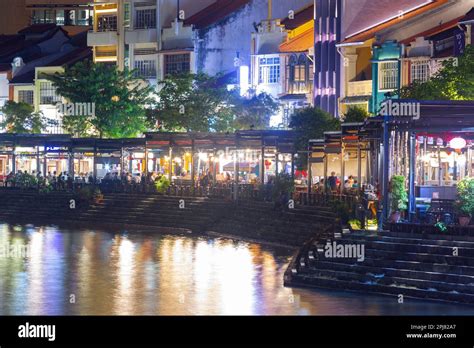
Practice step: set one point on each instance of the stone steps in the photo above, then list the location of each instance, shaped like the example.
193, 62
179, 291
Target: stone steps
414, 266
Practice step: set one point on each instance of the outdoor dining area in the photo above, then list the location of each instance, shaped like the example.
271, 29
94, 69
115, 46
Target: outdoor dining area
186, 161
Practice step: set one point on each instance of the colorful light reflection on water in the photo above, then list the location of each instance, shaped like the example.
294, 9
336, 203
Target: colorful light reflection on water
85, 272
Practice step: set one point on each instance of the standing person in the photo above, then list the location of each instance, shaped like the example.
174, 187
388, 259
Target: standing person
332, 181
91, 178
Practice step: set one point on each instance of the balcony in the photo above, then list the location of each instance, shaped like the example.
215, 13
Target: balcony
300, 87
359, 88
104, 38
136, 36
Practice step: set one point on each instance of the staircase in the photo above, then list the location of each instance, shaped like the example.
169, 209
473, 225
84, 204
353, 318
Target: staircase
125, 209
413, 265
248, 219
190, 213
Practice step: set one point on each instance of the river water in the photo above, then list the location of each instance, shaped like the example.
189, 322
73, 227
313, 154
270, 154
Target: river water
51, 270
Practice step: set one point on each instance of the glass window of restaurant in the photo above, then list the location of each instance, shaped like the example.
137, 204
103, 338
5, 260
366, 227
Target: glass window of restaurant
442, 160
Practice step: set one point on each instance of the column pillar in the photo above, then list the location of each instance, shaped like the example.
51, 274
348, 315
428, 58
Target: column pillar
236, 175
37, 160
359, 165
411, 178
293, 166
193, 169
170, 165
343, 168
94, 165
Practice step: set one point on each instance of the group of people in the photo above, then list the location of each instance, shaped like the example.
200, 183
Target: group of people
334, 183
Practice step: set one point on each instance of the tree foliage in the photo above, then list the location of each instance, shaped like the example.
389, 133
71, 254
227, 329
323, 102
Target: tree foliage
120, 100
355, 114
21, 118
253, 112
311, 123
198, 102
454, 81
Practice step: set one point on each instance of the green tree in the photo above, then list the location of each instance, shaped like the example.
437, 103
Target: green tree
253, 112
120, 100
355, 114
311, 123
192, 102
21, 118
198, 102
454, 81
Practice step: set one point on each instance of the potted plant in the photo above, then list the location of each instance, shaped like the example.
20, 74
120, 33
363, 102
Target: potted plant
98, 197
465, 202
282, 189
162, 184
399, 197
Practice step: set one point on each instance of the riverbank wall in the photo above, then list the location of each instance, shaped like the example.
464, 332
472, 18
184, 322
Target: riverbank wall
246, 220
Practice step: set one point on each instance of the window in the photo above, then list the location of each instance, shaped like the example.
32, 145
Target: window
145, 19
177, 63
25, 97
60, 17
300, 69
388, 75
269, 70
126, 15
145, 69
43, 16
420, 70
48, 93
83, 17
107, 23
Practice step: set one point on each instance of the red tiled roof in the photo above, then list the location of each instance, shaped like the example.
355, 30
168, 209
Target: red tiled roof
215, 12
5, 67
68, 59
301, 17
72, 57
469, 16
433, 31
370, 32
299, 43
37, 28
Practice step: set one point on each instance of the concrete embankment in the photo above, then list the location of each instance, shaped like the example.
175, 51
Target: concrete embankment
255, 221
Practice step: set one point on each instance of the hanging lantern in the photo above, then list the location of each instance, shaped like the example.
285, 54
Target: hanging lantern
457, 143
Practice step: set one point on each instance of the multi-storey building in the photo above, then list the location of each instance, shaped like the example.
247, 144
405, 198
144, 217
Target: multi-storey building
297, 54
27, 56
408, 45
128, 33
74, 15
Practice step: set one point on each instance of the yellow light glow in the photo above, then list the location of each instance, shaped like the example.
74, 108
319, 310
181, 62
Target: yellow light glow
106, 59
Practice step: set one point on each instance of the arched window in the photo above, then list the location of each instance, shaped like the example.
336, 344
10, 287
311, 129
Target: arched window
300, 69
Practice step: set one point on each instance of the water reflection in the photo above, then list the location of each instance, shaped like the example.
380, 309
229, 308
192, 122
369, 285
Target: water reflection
78, 272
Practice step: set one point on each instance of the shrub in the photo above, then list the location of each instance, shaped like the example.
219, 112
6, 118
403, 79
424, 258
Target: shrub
399, 197
162, 184
283, 184
465, 191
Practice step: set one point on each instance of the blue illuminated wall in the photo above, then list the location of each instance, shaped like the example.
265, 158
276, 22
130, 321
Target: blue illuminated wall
327, 26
